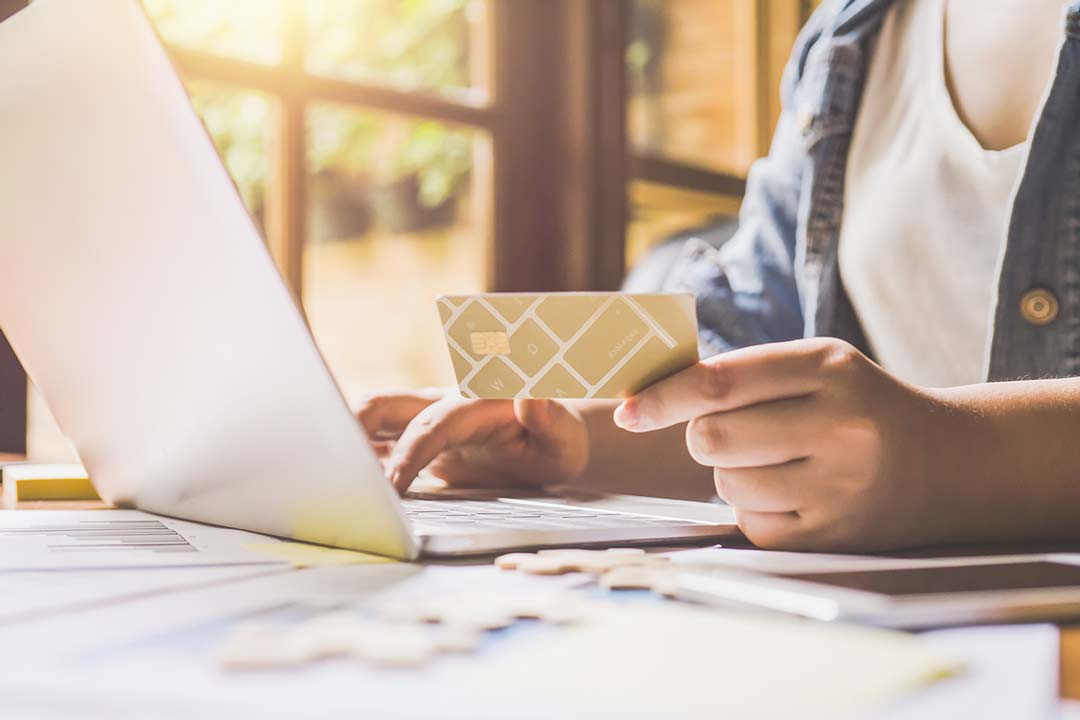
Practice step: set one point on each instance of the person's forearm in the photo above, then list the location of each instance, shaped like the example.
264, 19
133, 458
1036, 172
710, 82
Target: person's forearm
655, 464
1012, 467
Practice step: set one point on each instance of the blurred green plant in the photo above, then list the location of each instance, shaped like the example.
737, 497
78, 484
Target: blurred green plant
387, 148
238, 122
441, 158
409, 44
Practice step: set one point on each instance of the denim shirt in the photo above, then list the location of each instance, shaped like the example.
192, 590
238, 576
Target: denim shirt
778, 277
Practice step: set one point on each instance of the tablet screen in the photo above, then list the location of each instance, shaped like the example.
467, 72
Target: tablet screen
953, 579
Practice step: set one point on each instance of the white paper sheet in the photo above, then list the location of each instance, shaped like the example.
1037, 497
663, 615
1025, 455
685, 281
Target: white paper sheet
532, 672
36, 594
1070, 710
114, 630
1012, 672
82, 539
158, 654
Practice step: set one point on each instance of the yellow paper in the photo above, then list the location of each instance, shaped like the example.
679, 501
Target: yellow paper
304, 555
31, 481
567, 345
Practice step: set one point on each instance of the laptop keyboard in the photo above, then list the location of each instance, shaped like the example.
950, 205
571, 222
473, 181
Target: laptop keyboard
504, 515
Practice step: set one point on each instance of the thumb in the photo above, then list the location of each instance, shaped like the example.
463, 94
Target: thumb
556, 434
536, 416
549, 422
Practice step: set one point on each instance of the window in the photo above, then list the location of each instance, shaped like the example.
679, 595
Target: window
702, 102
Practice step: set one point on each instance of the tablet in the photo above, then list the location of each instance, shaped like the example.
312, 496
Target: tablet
910, 597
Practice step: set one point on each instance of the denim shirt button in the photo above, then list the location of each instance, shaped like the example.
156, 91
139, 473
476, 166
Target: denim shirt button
1039, 306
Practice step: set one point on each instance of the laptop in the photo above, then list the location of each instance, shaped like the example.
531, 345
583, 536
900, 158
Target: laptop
143, 303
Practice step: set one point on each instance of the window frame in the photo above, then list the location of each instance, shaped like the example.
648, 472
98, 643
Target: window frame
766, 30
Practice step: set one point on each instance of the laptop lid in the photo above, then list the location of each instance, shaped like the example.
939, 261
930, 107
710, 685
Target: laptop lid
139, 296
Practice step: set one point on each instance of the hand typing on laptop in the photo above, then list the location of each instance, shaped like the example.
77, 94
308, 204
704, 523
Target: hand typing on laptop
485, 443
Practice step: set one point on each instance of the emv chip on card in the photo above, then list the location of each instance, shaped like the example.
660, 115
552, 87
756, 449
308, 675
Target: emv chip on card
567, 345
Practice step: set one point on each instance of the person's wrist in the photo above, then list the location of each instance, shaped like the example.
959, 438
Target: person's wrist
960, 462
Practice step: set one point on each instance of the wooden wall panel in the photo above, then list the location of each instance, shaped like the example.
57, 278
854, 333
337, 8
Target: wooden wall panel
560, 148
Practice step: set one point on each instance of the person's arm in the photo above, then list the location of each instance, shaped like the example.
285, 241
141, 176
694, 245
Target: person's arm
1011, 464
527, 443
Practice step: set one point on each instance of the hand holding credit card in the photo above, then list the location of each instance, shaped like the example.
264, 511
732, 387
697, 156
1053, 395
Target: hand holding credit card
567, 345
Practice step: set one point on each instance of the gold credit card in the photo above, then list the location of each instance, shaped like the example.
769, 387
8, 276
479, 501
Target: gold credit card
567, 345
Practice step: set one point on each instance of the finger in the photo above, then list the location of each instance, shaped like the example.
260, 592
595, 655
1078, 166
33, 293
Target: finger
765, 434
534, 415
439, 427
770, 531
466, 469
724, 382
382, 448
549, 423
774, 489
387, 415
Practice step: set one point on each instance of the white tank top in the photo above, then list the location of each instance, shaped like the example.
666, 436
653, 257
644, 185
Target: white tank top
926, 209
